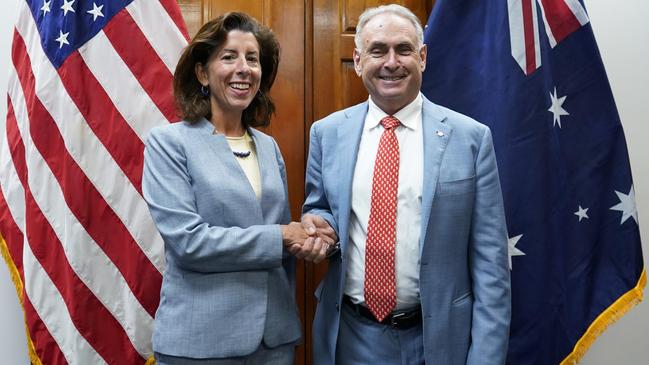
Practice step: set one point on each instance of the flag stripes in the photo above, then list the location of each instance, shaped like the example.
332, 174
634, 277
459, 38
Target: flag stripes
171, 7
128, 41
41, 340
13, 240
43, 348
524, 34
11, 188
530, 30
102, 116
78, 192
139, 111
52, 309
87, 255
66, 267
101, 169
159, 29
562, 17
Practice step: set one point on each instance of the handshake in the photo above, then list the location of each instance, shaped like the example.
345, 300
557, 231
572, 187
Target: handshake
312, 239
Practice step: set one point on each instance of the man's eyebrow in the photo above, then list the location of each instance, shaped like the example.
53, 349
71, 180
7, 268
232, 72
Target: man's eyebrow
377, 44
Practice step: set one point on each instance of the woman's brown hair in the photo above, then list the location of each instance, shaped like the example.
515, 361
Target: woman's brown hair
192, 104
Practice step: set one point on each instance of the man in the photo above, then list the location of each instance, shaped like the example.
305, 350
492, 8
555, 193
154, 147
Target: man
412, 190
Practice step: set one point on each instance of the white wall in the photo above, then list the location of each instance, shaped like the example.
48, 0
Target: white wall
622, 32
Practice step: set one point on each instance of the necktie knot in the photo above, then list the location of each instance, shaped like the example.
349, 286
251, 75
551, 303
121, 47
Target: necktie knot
390, 122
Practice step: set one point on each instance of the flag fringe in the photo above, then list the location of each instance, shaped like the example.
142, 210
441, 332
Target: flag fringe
150, 361
13, 271
619, 308
18, 284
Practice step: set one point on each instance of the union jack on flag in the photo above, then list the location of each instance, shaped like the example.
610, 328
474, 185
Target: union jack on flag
88, 80
560, 18
532, 72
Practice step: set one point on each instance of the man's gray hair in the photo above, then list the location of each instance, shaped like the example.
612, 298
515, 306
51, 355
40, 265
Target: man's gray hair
394, 9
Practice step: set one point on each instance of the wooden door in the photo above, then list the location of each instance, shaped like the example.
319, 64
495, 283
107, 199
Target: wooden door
316, 77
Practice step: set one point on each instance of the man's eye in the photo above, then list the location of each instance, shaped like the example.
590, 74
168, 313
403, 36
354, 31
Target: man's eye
404, 51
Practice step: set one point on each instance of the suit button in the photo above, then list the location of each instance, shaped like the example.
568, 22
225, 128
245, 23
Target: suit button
337, 307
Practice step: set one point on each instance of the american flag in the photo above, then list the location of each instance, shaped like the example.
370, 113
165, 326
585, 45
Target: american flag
88, 81
531, 70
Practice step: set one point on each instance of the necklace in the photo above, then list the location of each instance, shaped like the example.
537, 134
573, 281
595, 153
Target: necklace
241, 154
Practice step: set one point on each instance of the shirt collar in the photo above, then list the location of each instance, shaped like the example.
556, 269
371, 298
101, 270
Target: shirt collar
406, 115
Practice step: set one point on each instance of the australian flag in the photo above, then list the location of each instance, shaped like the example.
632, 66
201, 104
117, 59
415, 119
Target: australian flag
532, 72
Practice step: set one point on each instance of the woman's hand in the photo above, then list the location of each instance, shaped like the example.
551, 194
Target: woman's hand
293, 234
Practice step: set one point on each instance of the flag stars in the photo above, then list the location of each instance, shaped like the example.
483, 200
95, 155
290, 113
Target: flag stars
626, 206
96, 11
581, 213
513, 251
46, 7
557, 108
62, 39
67, 6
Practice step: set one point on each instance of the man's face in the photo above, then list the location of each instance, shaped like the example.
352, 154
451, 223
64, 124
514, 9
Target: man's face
390, 61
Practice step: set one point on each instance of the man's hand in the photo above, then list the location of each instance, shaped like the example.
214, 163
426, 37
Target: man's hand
317, 245
299, 243
316, 226
309, 240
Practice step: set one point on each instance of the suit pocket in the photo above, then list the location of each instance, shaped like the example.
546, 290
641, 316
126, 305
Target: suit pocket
461, 319
466, 297
455, 187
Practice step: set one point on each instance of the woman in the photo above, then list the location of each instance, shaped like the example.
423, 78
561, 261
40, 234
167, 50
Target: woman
216, 189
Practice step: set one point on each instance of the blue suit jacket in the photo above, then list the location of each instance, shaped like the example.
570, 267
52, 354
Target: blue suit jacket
464, 273
228, 283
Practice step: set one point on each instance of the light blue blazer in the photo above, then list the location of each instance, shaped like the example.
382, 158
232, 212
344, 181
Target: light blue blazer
228, 283
464, 274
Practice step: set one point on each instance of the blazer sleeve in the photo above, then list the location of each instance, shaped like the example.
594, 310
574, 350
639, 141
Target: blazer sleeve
488, 262
288, 260
316, 199
195, 244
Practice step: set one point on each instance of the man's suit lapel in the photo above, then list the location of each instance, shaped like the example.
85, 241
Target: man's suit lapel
436, 136
349, 137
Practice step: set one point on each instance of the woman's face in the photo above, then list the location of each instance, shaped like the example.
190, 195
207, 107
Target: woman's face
233, 73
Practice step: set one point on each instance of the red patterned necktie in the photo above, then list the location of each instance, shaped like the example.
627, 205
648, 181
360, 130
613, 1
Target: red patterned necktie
380, 281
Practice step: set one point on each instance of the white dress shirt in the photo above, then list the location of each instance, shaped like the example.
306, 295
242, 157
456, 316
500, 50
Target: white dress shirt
411, 175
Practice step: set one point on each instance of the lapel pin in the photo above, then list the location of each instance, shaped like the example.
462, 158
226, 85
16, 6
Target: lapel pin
440, 133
